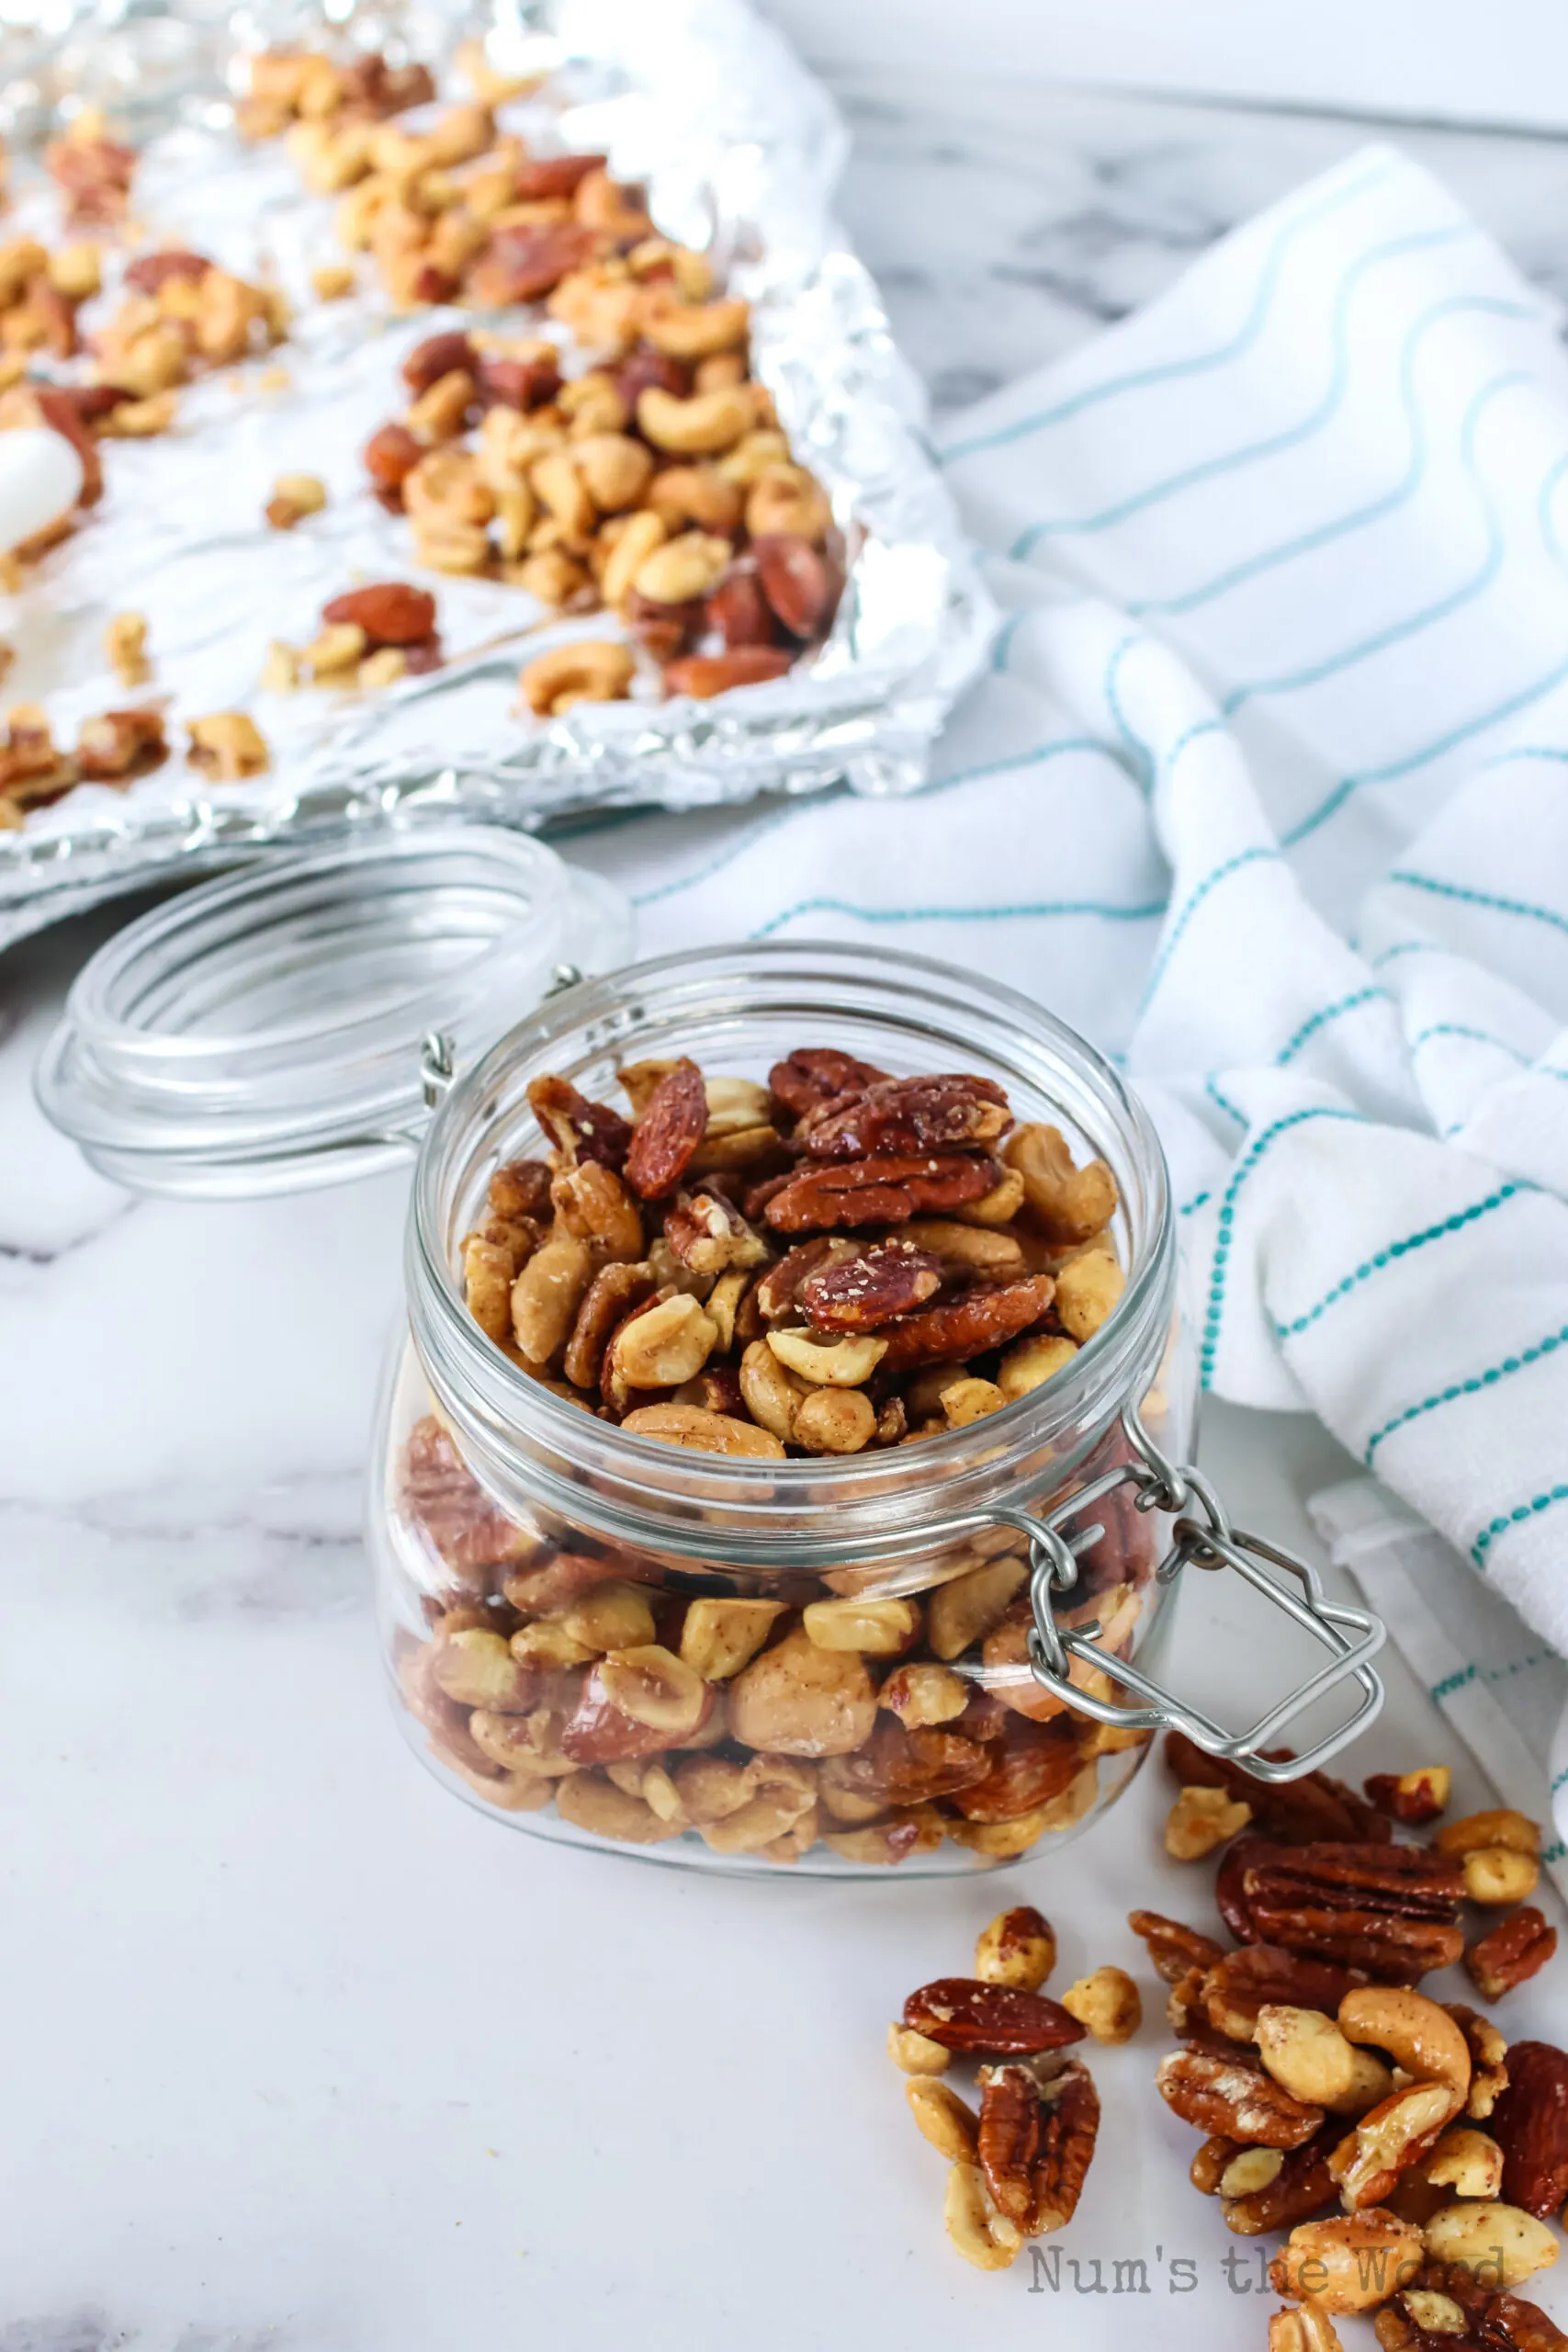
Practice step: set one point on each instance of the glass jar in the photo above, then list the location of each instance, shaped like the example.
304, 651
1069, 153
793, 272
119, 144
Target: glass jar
935, 1654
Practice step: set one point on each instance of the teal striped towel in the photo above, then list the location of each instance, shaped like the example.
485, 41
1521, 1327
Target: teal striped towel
1267, 790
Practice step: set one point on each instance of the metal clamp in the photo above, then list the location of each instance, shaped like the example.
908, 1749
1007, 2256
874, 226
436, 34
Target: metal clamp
1353, 1636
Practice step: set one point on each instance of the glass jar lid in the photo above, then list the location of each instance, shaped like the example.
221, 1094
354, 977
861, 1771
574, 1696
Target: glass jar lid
264, 1033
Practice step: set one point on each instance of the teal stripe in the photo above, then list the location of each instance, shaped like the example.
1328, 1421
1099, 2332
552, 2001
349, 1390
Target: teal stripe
1560, 1783
1396, 632
1197, 363
1391, 1254
1023, 912
1259, 855
1462, 1029
1243, 1169
1452, 1682
1005, 635
1272, 444
1474, 1386
1466, 897
1544, 514
1451, 741
1223, 1102
1515, 1518
726, 856
1197, 1202
1309, 1029
1134, 743
1190, 735
1555, 1852
1358, 518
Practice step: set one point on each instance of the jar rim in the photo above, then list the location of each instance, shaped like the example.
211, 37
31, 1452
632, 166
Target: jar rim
517, 1429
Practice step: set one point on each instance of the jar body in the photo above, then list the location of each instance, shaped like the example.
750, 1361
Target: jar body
854, 1690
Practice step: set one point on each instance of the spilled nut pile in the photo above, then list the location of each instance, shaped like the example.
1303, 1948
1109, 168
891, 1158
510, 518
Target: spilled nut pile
1413, 2159
1015, 2170
835, 1262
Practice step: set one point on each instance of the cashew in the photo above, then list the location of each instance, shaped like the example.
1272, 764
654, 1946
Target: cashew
1086, 1290
561, 488
694, 331
831, 1364
698, 495
683, 569
752, 457
1070, 1203
635, 543
980, 2232
1499, 1874
1501, 2237
948, 2122
447, 487
786, 499
591, 671
699, 427
970, 1606
1500, 1826
1416, 2033
773, 1394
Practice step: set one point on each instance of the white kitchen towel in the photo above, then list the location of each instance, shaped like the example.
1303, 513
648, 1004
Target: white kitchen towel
1267, 790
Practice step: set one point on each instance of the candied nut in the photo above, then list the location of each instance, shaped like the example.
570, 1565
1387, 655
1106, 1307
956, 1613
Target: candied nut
684, 568
772, 1395
594, 1203
1030, 1363
330, 281
701, 427
120, 744
835, 1421
1086, 1290
654, 1687
1509, 1953
615, 1292
1069, 1204
1530, 2122
613, 1616
967, 1401
443, 408
798, 1699
1018, 1949
668, 1343
1003, 1840
388, 611
1488, 2062
1173, 1948
875, 1628
437, 358
1414, 1798
1307, 2330
844, 1363
588, 1803
548, 1292
125, 642
1306, 2052
914, 2052
1467, 2161
548, 1646
1350, 2263
1418, 2034
980, 2232
1222, 2095
668, 1129
1495, 1875
139, 420
1248, 2171
1214, 2158
1388, 1909
380, 669
591, 671
1390, 2136
693, 330
799, 589
964, 2013
922, 1694
982, 1319
1009, 2137
1069, 2128
1201, 1819
702, 675
1108, 2002
1501, 1826
475, 1668
719, 1637
1502, 2242
1301, 2187
227, 745
948, 2122
1241, 1983
337, 648
966, 1608
701, 1432
784, 500
75, 271
390, 455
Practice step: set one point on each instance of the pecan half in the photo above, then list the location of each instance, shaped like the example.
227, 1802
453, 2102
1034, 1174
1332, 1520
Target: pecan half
909, 1114
1225, 2096
1030, 1764
667, 1134
863, 1292
1292, 1812
778, 1290
1509, 1953
1069, 2133
1173, 1948
1391, 1910
444, 1501
1265, 1975
1009, 2137
964, 2013
1230, 1883
876, 1192
982, 1320
1421, 2316
578, 1128
1529, 2123
813, 1075
614, 1290
1389, 2139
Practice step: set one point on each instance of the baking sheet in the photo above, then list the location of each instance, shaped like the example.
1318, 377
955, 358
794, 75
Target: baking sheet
741, 151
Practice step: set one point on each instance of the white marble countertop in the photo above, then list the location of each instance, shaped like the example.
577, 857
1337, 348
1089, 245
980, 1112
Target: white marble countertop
302, 2055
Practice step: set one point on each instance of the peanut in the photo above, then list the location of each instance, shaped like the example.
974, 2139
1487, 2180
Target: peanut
948, 2122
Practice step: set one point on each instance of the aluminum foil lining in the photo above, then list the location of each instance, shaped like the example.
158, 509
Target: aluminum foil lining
740, 150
